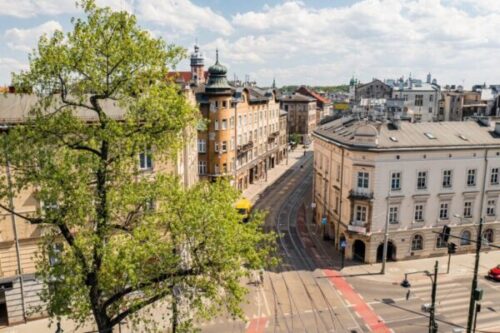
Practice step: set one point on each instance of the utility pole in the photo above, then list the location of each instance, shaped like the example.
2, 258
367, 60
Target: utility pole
472, 303
433, 327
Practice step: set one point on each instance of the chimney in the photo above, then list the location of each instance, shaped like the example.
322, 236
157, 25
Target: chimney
396, 121
497, 128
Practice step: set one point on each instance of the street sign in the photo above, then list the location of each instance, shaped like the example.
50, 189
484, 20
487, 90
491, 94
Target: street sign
323, 221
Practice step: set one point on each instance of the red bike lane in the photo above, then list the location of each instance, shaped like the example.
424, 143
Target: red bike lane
373, 321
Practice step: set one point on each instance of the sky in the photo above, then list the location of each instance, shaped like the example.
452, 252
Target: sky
312, 42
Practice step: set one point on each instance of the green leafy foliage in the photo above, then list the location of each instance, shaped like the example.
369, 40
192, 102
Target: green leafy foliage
129, 237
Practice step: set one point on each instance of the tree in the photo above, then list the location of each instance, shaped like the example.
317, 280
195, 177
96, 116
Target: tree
121, 239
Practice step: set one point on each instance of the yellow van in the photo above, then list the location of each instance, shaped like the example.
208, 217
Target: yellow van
244, 206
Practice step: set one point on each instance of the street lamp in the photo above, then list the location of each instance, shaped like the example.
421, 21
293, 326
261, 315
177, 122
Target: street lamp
433, 326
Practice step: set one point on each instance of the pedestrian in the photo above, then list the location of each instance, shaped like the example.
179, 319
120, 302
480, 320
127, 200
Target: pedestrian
261, 276
408, 294
304, 152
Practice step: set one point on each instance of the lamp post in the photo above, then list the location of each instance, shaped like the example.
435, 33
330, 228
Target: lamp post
433, 326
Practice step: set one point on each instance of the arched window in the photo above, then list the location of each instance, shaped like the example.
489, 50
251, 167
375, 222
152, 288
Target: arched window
488, 235
465, 237
417, 243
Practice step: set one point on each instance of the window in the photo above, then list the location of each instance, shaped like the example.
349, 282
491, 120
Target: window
488, 235
216, 168
202, 167
471, 177
440, 243
394, 215
239, 121
216, 125
231, 122
224, 167
443, 211
468, 209
361, 214
145, 160
396, 181
419, 213
224, 124
430, 109
224, 104
431, 98
202, 146
422, 180
224, 146
55, 254
363, 180
419, 100
417, 243
494, 176
231, 143
447, 178
491, 207
216, 146
465, 238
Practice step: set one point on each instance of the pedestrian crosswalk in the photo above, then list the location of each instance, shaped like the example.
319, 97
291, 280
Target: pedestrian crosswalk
452, 304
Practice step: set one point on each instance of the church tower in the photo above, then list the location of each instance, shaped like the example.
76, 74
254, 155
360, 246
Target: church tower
197, 66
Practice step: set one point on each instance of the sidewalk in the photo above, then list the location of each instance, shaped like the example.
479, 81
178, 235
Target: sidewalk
294, 157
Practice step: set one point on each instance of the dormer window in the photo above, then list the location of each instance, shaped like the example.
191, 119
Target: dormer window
429, 135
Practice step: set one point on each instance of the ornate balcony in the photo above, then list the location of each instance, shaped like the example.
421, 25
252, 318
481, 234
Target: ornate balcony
245, 148
360, 194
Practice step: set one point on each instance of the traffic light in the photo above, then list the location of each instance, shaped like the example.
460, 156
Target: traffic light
452, 248
445, 234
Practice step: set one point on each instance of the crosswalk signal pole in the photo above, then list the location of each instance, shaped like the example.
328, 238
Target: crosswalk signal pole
433, 327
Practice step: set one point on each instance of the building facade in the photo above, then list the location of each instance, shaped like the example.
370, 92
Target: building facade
458, 104
302, 118
421, 98
19, 239
241, 140
413, 178
323, 104
375, 89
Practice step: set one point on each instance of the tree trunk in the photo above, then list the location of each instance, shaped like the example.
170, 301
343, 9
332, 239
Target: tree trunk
103, 322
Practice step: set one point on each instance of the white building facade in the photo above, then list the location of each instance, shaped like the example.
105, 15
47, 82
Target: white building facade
414, 178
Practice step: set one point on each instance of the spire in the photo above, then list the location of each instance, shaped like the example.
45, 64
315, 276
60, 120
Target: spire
274, 83
217, 55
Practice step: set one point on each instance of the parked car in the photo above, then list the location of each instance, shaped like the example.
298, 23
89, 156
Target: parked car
494, 273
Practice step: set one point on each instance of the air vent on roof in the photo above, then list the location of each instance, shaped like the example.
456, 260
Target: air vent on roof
430, 135
393, 138
463, 137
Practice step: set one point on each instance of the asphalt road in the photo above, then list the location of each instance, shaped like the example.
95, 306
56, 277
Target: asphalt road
296, 296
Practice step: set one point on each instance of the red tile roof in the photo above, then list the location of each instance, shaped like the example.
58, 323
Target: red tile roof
312, 93
183, 76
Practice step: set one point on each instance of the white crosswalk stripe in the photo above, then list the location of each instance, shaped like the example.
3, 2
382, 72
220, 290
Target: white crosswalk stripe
452, 304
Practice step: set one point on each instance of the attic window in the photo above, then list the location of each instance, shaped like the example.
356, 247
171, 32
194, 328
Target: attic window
393, 139
463, 137
430, 135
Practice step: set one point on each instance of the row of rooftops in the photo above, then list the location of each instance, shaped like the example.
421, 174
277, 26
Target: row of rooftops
364, 134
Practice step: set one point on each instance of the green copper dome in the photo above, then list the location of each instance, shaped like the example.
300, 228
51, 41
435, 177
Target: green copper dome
217, 79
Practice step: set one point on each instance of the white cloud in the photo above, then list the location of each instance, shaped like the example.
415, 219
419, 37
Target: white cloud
371, 38
182, 16
7, 66
26, 39
32, 8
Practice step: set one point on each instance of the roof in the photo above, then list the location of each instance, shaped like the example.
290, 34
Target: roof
296, 97
15, 109
306, 91
427, 135
183, 76
374, 81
